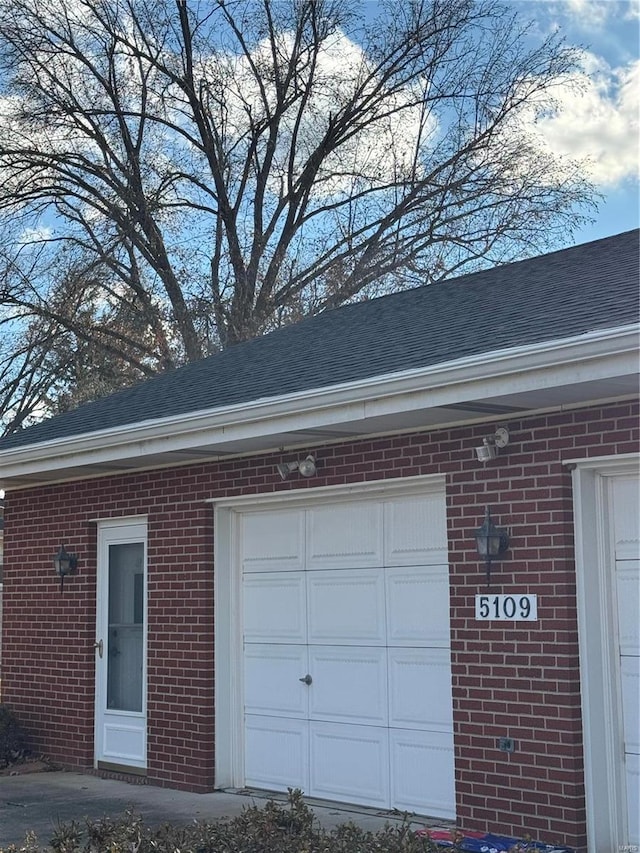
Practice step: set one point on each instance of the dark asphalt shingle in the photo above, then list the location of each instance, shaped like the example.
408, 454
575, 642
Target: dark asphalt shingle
565, 293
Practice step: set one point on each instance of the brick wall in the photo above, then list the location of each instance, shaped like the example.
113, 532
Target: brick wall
518, 679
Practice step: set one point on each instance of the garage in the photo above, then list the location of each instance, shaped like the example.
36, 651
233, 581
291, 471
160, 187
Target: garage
626, 504
607, 508
346, 659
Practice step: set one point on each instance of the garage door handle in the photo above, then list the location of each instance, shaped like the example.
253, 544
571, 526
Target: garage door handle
306, 680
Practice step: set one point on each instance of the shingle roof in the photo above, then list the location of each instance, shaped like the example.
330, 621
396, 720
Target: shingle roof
558, 295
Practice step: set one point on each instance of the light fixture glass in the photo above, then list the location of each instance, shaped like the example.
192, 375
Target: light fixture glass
491, 541
286, 468
64, 564
307, 466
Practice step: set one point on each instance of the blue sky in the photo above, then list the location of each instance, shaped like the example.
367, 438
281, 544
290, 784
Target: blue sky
603, 124
600, 125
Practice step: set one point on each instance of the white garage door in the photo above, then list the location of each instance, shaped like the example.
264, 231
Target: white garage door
347, 675
626, 503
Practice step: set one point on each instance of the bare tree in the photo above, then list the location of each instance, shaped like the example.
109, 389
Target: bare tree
177, 177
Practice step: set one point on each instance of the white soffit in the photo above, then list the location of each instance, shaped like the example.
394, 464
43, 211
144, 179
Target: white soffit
597, 366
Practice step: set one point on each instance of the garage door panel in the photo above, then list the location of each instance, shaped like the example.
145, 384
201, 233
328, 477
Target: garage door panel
346, 607
626, 515
365, 612
276, 753
349, 763
422, 772
626, 495
349, 684
630, 678
632, 767
274, 607
343, 536
420, 689
418, 606
415, 531
627, 586
272, 685
273, 541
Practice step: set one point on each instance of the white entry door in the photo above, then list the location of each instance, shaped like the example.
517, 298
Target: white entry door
347, 674
120, 709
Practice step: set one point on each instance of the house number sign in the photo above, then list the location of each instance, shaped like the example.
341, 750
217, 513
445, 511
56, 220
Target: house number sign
507, 608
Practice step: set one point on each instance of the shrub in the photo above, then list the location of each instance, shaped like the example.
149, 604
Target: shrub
13, 744
274, 828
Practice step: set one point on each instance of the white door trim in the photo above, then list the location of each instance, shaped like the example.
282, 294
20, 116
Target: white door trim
597, 629
229, 700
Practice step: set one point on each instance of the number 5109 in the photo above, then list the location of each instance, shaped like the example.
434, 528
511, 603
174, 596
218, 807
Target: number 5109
516, 608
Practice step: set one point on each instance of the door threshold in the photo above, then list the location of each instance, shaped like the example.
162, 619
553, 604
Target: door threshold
121, 768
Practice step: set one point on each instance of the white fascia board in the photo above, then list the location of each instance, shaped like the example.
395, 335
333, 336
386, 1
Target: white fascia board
601, 354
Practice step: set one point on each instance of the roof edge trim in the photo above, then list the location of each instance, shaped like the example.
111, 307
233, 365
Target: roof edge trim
152, 436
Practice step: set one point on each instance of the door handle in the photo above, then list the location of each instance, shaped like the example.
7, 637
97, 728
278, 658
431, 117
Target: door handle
99, 647
306, 680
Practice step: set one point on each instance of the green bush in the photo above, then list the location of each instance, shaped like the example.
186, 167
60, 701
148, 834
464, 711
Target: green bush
13, 744
274, 828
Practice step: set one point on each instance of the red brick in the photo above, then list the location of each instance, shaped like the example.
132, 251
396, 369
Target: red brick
518, 680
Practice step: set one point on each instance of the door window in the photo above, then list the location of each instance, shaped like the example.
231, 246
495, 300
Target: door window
125, 649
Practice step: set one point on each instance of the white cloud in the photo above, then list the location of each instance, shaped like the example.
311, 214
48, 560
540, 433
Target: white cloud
34, 235
594, 14
633, 12
376, 155
590, 13
598, 124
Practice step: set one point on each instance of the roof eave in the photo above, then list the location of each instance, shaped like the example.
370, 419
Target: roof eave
595, 355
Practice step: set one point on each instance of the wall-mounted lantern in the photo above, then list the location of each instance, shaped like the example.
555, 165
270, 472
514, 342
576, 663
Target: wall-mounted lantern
491, 541
64, 564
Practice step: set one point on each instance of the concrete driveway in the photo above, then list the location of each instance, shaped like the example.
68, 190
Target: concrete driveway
40, 801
